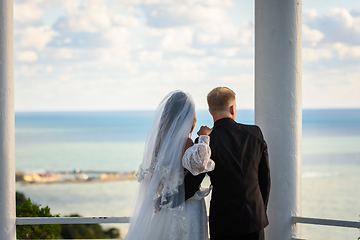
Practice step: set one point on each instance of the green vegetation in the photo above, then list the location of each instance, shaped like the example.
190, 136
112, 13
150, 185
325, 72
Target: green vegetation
25, 208
87, 231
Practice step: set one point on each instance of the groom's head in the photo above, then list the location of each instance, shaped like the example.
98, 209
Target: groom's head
222, 104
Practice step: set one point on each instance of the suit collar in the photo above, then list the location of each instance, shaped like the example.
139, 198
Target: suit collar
223, 121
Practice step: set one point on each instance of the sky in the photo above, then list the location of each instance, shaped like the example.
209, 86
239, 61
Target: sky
84, 55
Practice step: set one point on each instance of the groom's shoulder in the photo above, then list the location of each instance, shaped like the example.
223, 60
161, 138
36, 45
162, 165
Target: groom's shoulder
251, 129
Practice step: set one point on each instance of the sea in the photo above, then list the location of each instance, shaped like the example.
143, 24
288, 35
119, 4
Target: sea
114, 141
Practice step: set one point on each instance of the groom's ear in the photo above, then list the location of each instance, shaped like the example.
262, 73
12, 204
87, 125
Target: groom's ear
232, 109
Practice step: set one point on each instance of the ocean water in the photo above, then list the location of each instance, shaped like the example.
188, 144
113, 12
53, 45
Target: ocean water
114, 141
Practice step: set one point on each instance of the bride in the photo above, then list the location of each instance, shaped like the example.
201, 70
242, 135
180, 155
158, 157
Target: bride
160, 211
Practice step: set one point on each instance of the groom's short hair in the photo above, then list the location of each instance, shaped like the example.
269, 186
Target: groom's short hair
219, 99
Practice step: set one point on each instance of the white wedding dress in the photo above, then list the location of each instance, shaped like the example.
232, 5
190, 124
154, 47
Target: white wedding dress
165, 223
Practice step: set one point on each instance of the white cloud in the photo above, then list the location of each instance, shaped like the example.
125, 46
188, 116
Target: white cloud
334, 51
172, 13
338, 25
49, 68
27, 56
206, 3
93, 16
117, 57
65, 53
85, 16
310, 54
225, 35
312, 36
27, 13
36, 37
117, 35
121, 20
227, 52
345, 51
237, 63
177, 40
150, 56
170, 39
310, 13
99, 52
334, 88
208, 39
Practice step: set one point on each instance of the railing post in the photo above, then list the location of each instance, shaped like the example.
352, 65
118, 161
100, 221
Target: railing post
7, 124
278, 107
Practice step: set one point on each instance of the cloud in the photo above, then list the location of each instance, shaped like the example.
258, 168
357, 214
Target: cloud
92, 16
337, 25
101, 53
334, 88
225, 35
150, 56
117, 36
165, 14
311, 36
27, 13
121, 20
170, 39
49, 68
227, 52
334, 51
345, 51
310, 54
36, 37
87, 16
65, 53
27, 56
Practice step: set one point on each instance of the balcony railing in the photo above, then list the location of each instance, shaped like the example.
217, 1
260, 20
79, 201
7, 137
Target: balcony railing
70, 220
325, 222
94, 220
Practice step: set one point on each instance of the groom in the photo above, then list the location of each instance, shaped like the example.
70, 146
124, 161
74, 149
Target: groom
241, 179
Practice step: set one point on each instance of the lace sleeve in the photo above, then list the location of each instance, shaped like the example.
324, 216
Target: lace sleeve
197, 158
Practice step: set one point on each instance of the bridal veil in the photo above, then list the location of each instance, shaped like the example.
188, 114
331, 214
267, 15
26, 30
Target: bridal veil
161, 174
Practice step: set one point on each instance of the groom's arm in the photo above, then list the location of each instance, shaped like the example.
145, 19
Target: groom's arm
192, 184
264, 176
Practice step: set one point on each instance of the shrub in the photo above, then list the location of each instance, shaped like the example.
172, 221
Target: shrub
25, 208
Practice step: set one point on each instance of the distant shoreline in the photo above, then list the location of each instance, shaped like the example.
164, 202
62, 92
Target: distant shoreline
29, 177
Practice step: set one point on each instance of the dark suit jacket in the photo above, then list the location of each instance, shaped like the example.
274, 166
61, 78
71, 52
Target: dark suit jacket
241, 179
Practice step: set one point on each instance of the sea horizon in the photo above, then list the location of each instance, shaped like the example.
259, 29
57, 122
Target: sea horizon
141, 110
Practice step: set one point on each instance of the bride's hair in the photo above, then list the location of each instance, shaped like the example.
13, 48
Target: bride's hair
170, 115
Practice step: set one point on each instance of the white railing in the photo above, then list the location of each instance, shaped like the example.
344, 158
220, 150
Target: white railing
325, 222
95, 220
70, 220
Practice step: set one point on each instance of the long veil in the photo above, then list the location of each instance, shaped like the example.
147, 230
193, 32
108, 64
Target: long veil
161, 173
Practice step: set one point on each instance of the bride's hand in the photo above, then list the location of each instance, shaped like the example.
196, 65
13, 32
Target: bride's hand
204, 130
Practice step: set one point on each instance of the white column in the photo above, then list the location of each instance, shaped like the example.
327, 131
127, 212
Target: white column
7, 120
278, 107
